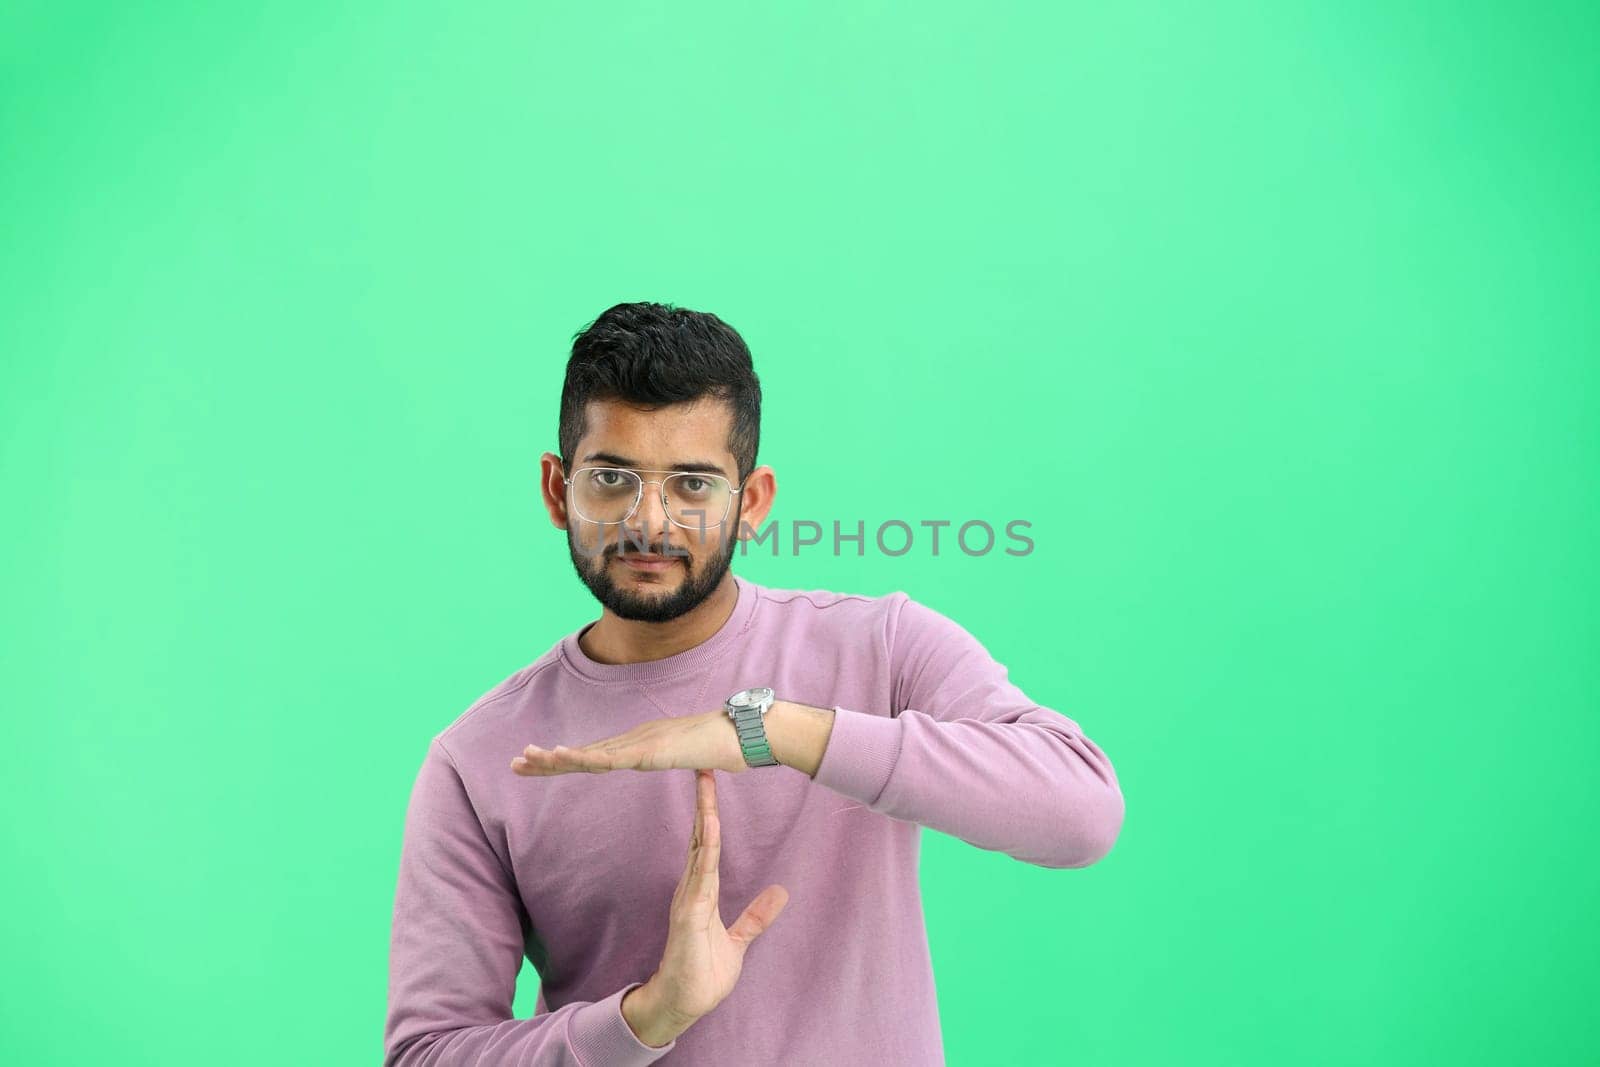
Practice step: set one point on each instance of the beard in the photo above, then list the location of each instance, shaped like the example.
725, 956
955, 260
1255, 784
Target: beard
699, 582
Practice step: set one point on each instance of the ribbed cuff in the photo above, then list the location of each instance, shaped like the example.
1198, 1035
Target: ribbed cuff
861, 754
601, 1037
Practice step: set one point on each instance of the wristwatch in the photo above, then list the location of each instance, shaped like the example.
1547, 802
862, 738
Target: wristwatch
745, 708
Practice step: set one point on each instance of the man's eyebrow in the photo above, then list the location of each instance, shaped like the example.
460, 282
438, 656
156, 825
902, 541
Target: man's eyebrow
688, 466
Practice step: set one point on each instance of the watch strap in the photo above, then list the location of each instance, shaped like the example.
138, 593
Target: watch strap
747, 721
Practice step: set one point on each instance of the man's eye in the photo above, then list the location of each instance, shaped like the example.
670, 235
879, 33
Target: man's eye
696, 485
611, 483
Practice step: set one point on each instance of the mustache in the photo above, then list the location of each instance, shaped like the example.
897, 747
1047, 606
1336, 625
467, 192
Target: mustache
599, 546
669, 551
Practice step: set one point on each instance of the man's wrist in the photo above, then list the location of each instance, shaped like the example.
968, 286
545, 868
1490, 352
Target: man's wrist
642, 1011
798, 734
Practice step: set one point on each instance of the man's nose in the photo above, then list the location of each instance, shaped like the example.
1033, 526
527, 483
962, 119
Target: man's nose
649, 519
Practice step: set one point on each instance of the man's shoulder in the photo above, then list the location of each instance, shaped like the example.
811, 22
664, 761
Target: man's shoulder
824, 599
897, 615
829, 608
506, 697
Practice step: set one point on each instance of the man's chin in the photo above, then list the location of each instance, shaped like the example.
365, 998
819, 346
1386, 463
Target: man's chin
646, 601
648, 594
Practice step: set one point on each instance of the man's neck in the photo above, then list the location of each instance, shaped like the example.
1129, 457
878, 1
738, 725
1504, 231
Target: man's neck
615, 640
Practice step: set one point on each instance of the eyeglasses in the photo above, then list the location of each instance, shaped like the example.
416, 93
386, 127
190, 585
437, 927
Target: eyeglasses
612, 495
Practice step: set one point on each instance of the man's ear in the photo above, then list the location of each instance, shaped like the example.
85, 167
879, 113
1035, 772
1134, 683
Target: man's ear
553, 487
756, 501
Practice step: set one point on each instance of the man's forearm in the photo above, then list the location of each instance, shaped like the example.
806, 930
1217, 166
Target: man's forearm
798, 734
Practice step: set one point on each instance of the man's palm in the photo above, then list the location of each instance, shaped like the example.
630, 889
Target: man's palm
703, 958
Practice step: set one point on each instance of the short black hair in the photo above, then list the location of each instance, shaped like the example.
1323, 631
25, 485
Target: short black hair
650, 354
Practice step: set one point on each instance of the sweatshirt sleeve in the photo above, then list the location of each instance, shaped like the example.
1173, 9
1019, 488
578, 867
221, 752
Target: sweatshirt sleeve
457, 943
965, 752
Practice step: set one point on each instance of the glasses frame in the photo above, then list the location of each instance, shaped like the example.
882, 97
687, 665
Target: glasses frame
638, 495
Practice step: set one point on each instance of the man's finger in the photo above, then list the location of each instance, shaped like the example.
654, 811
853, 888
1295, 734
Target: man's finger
705, 875
543, 761
759, 915
535, 762
694, 841
577, 759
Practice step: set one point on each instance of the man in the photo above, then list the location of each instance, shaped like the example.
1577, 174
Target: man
550, 819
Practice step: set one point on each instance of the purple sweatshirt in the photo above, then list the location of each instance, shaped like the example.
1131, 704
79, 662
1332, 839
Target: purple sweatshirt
577, 871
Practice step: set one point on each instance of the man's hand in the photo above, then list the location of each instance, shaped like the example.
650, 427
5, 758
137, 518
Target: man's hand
798, 735
707, 741
702, 960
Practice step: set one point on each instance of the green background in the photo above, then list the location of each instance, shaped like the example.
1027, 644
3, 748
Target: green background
1277, 321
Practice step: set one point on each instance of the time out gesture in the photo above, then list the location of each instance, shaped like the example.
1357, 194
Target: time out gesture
796, 733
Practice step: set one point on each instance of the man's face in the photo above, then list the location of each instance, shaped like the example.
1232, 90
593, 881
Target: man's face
691, 436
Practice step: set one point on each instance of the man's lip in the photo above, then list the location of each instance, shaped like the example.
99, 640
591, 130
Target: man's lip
648, 563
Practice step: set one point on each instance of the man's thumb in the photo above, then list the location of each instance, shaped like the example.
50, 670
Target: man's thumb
759, 915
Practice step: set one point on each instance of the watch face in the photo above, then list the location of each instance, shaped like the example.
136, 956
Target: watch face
750, 698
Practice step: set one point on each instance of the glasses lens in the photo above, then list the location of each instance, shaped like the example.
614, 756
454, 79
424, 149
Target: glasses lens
604, 494
697, 500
